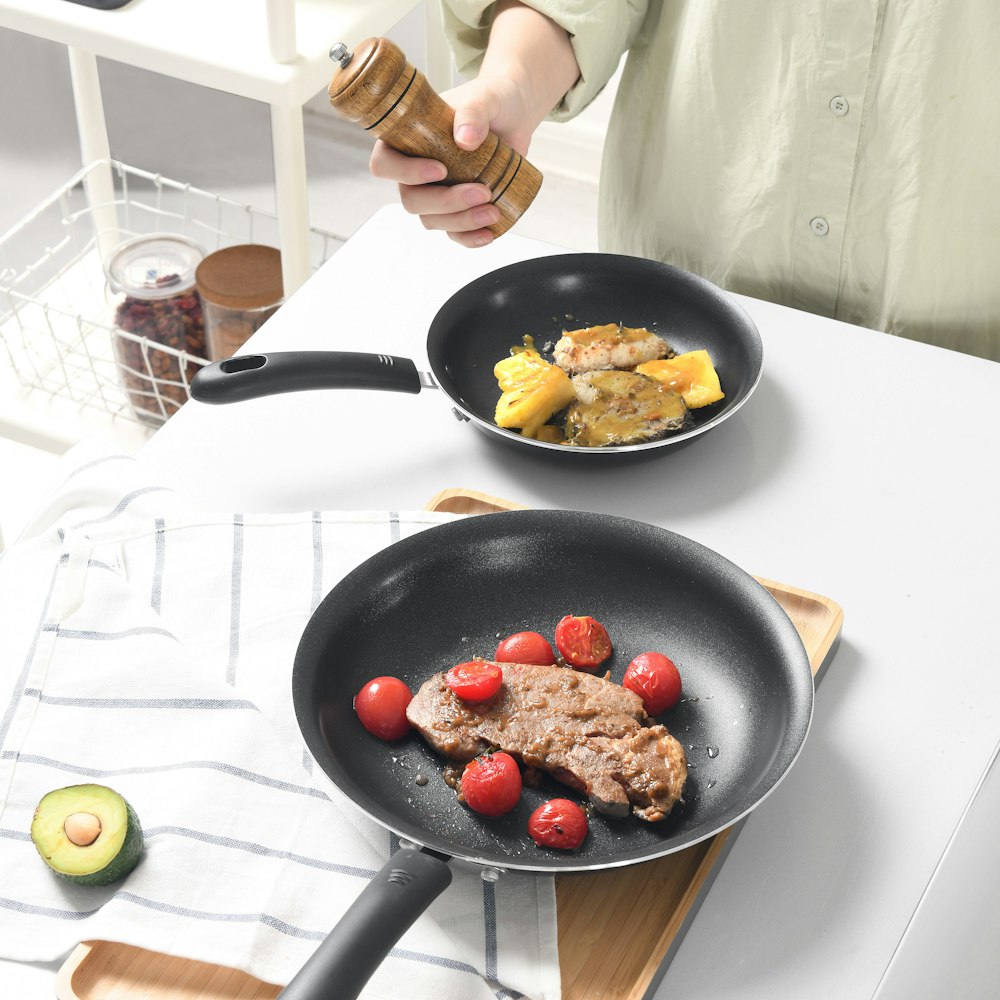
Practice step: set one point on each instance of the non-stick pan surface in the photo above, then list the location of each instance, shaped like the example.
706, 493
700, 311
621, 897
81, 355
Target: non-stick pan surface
449, 593
477, 326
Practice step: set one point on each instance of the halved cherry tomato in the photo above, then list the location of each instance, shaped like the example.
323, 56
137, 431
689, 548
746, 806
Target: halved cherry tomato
558, 823
655, 679
526, 647
583, 642
477, 680
491, 785
381, 707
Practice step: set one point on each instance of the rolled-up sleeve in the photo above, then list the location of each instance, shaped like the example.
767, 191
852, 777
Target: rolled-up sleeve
600, 32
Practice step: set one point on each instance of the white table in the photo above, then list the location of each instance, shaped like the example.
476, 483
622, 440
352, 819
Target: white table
273, 51
863, 468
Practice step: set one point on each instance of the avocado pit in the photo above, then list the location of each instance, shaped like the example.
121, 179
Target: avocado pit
82, 828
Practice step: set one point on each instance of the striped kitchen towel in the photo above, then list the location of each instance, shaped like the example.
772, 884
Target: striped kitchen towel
147, 646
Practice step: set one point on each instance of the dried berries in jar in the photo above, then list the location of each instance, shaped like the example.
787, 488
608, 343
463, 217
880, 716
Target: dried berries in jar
160, 328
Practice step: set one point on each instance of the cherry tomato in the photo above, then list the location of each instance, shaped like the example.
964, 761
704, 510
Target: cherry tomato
583, 642
655, 679
558, 823
526, 647
477, 680
381, 707
491, 785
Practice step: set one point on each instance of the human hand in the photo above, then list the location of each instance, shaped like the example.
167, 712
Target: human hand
463, 211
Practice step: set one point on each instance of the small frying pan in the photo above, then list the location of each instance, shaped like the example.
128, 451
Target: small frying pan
446, 595
480, 323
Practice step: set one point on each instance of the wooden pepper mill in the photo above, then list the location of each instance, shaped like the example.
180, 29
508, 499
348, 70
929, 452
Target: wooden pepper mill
377, 88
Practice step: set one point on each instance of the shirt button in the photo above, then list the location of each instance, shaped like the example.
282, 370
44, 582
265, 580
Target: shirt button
839, 106
819, 226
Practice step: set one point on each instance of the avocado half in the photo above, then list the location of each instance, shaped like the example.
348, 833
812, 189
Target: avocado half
88, 834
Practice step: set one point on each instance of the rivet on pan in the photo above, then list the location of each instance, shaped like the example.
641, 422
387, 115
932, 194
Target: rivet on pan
408, 845
491, 874
459, 415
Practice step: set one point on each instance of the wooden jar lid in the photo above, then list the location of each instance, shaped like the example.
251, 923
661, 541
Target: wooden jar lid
241, 277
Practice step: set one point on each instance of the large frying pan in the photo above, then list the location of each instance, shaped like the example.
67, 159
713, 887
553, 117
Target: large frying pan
444, 596
480, 323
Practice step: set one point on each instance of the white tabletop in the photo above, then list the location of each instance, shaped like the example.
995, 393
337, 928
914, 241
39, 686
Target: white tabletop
862, 469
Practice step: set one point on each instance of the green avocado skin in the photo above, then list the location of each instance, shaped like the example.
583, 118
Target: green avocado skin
121, 864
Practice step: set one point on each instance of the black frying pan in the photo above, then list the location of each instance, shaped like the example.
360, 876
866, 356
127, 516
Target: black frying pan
444, 596
480, 323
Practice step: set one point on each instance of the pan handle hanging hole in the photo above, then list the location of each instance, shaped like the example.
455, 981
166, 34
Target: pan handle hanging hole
243, 363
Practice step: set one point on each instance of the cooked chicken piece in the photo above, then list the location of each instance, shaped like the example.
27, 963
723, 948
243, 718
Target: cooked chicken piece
599, 348
613, 408
583, 730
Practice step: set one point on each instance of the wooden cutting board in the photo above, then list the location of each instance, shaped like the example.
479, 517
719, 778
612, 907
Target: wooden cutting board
617, 929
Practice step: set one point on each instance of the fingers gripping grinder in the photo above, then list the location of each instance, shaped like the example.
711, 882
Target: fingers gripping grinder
378, 89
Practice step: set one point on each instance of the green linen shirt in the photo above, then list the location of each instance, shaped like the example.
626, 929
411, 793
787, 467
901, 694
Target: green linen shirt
837, 156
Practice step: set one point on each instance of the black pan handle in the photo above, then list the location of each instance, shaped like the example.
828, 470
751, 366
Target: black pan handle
250, 376
407, 884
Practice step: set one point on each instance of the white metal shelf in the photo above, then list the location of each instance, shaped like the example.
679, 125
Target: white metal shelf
222, 45
273, 51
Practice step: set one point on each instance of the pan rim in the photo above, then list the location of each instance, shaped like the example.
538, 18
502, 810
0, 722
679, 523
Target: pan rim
788, 749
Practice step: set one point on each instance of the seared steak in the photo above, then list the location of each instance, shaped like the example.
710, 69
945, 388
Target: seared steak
585, 731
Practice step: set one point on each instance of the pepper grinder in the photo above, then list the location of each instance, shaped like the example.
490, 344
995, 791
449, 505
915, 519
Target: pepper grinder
378, 89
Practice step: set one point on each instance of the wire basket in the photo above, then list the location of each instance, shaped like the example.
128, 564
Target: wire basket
57, 317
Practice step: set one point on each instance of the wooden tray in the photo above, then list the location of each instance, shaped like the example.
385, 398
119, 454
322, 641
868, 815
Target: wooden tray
617, 929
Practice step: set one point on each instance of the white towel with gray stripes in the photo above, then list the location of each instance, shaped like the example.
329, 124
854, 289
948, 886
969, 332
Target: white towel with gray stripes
147, 646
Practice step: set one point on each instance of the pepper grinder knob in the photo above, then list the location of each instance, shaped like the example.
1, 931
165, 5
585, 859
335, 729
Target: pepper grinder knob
339, 53
377, 88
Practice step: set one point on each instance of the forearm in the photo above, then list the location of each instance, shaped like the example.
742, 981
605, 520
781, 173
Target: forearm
533, 52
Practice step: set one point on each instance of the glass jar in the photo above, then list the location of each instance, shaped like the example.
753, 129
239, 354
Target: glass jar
158, 320
240, 288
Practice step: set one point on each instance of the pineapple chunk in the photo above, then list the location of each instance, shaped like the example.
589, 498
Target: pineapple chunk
692, 375
532, 391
